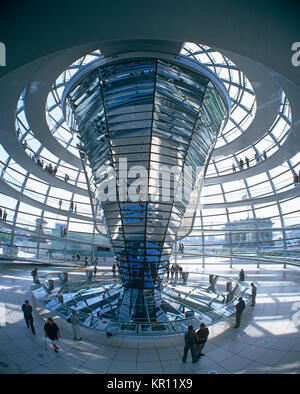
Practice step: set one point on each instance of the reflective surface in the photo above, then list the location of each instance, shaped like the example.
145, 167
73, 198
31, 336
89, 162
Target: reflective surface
265, 190
145, 116
189, 301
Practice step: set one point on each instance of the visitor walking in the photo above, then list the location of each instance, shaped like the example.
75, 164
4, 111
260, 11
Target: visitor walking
201, 338
27, 311
4, 216
253, 294
75, 325
189, 344
52, 332
240, 306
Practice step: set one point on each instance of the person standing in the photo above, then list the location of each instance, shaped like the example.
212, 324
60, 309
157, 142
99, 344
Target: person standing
253, 294
201, 338
241, 164
27, 311
168, 270
35, 276
242, 275
95, 270
172, 271
180, 272
240, 306
176, 272
4, 216
189, 344
233, 167
52, 332
75, 325
257, 158
114, 269
247, 162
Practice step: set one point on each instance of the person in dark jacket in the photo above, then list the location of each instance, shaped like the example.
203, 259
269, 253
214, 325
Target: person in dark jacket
114, 270
189, 344
253, 294
27, 311
240, 306
242, 275
201, 338
52, 332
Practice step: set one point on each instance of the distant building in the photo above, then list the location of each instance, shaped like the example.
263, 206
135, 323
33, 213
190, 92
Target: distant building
249, 237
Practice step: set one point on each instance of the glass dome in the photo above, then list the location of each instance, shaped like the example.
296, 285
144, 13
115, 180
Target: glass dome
250, 198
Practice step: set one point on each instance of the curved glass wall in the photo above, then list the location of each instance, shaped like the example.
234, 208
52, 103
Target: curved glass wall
33, 195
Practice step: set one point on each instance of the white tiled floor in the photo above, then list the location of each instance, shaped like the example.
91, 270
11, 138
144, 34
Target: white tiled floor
268, 340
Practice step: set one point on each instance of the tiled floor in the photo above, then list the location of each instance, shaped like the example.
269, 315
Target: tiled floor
268, 340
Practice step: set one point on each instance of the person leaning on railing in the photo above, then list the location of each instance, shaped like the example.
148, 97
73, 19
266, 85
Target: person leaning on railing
35, 276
